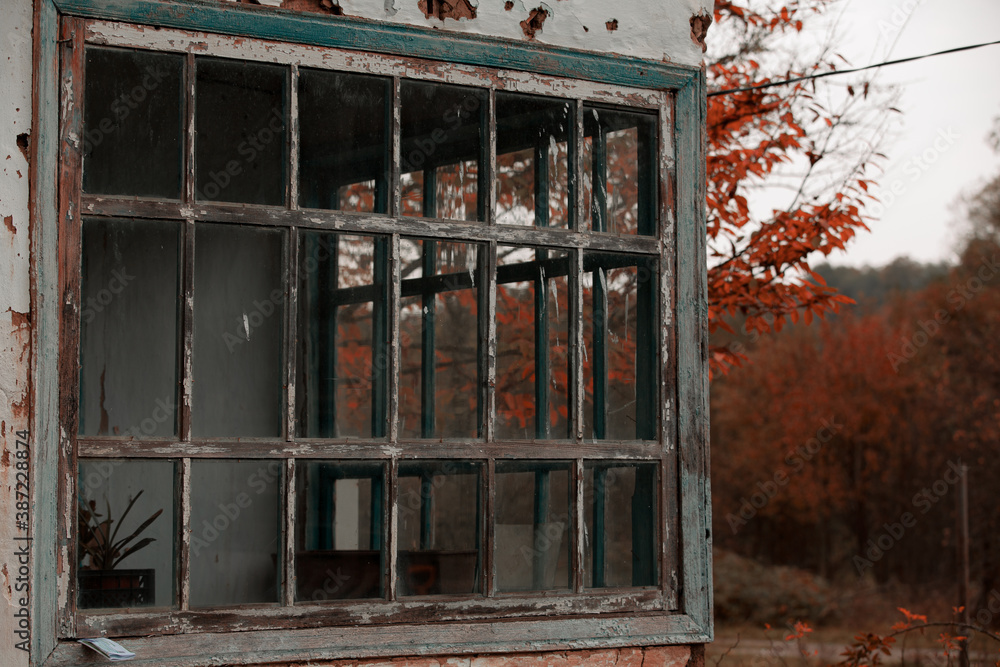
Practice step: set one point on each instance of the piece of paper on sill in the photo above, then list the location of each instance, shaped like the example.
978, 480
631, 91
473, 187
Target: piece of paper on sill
112, 650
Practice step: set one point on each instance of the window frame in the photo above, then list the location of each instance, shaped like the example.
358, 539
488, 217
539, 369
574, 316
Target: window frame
678, 610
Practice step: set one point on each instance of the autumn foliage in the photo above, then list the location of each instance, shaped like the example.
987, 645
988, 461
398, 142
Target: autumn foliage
759, 269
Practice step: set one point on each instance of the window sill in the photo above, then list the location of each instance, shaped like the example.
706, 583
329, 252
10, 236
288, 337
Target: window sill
262, 647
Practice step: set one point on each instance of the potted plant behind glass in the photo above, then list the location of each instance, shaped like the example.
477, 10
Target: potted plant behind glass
100, 552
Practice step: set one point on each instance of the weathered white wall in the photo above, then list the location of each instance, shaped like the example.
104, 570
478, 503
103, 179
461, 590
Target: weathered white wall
652, 29
15, 333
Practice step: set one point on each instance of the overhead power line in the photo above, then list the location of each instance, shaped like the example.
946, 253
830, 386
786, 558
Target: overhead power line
785, 82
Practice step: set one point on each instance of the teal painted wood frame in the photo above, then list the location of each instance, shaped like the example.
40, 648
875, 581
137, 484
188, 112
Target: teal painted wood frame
685, 278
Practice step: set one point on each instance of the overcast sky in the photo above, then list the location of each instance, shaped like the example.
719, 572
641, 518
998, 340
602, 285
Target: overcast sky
949, 104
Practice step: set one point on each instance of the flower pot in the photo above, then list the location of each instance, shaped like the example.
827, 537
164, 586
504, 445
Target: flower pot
116, 588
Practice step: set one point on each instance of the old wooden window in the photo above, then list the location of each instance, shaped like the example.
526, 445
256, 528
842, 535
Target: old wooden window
364, 340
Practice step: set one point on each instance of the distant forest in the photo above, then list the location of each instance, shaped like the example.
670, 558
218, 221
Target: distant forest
836, 445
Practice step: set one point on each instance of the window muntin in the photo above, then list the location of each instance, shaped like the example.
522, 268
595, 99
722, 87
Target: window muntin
487, 238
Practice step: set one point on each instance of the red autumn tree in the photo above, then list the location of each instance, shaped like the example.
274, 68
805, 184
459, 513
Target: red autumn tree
787, 167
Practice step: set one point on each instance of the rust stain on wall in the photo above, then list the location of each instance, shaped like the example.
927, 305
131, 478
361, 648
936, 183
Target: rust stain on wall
699, 28
19, 320
611, 25
534, 22
447, 9
20, 409
8, 222
509, 5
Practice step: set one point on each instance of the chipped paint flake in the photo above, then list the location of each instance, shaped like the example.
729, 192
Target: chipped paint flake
447, 9
533, 24
699, 28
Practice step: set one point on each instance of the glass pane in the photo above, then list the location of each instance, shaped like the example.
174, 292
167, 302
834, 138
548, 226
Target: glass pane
620, 303
532, 160
532, 525
341, 390
125, 533
619, 165
438, 513
344, 149
339, 542
132, 123
239, 302
621, 519
532, 343
240, 129
441, 150
439, 333
128, 328
235, 531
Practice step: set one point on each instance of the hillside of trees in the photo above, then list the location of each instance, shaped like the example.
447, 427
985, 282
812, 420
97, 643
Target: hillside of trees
836, 444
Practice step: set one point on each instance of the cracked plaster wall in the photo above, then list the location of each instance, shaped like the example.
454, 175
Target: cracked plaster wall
15, 332
651, 29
